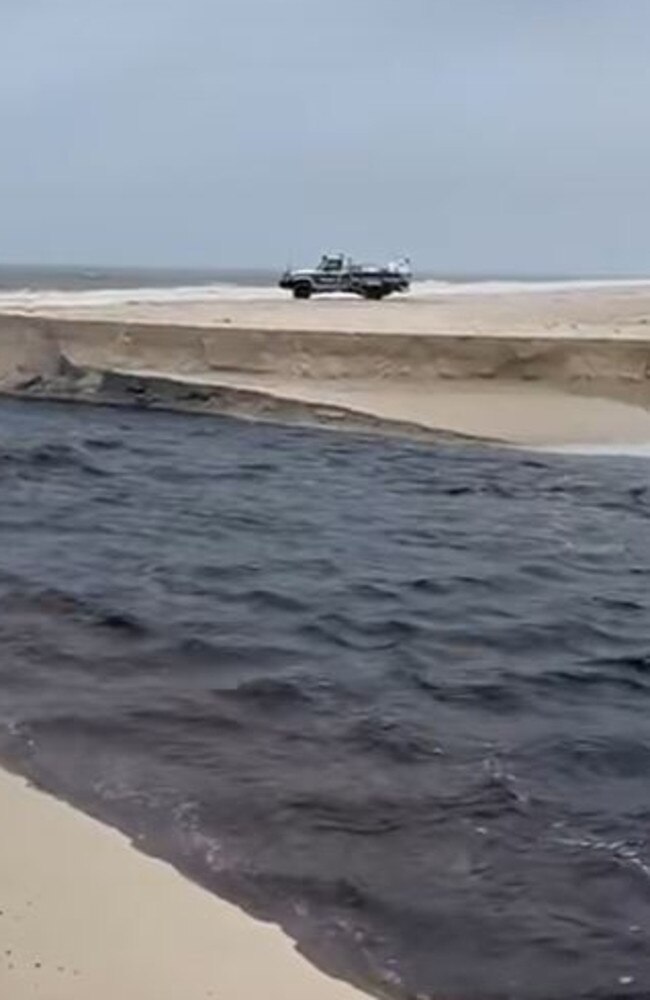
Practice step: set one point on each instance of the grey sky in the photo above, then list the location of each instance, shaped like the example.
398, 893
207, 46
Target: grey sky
478, 135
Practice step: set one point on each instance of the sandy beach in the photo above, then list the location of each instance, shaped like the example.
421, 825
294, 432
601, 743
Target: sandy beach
562, 309
554, 366
84, 915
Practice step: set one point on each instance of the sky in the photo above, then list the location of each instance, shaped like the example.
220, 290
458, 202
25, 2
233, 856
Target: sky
479, 136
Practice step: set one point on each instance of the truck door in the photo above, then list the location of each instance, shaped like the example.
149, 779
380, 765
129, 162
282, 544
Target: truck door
330, 272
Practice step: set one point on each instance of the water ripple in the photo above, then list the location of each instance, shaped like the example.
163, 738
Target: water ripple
391, 696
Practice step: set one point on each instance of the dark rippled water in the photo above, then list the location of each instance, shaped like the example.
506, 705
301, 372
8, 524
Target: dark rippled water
393, 696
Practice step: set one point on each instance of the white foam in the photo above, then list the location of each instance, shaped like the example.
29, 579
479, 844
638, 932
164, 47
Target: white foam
433, 289
39, 299
32, 299
611, 450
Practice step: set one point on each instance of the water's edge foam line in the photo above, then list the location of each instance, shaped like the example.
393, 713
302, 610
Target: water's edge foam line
97, 918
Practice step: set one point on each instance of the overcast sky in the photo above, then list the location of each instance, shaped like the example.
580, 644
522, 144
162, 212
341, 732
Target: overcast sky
498, 136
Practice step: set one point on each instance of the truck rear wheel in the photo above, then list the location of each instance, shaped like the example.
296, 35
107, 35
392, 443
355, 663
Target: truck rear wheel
302, 290
374, 294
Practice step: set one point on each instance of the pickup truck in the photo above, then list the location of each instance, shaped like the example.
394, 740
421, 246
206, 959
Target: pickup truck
338, 273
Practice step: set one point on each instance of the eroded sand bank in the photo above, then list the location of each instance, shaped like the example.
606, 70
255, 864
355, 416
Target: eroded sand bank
550, 367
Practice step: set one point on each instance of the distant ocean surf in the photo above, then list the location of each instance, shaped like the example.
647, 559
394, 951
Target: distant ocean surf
29, 286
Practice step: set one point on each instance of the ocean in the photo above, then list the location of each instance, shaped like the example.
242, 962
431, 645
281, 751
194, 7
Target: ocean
393, 696
17, 277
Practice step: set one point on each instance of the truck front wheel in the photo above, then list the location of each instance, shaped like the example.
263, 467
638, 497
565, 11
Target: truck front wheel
302, 290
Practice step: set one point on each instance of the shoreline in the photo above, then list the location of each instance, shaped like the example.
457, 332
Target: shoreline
469, 413
85, 914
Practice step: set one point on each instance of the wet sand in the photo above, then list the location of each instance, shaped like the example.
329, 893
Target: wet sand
509, 412
83, 915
